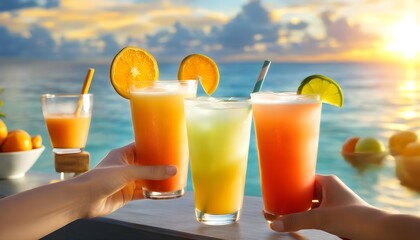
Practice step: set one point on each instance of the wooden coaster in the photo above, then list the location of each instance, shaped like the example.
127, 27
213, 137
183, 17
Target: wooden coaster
74, 162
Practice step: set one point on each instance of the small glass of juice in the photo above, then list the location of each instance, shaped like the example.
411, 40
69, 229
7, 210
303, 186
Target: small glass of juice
67, 117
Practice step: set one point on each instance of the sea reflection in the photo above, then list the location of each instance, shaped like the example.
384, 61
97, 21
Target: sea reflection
404, 109
409, 86
403, 114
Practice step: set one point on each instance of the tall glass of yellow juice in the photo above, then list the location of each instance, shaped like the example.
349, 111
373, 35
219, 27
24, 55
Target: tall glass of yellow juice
67, 118
218, 136
157, 110
287, 131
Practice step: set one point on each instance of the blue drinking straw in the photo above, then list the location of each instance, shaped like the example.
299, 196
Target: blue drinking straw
261, 77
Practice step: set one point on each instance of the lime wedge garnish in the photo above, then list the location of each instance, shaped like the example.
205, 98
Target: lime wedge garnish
328, 89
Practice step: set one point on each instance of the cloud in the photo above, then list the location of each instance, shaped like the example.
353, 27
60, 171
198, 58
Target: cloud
10, 43
340, 39
345, 35
300, 25
252, 34
39, 44
251, 30
251, 25
11, 5
70, 49
104, 45
173, 43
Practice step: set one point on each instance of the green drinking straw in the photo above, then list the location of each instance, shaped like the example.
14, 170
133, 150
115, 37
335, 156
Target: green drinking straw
261, 77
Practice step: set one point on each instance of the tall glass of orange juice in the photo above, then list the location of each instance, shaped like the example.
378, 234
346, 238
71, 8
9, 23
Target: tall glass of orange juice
157, 109
287, 131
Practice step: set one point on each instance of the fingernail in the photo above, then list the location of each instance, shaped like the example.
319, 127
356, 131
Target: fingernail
277, 225
171, 170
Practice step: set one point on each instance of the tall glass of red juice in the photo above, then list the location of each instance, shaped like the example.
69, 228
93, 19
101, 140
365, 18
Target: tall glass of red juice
287, 131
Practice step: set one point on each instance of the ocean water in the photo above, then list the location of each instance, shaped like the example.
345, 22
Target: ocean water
380, 99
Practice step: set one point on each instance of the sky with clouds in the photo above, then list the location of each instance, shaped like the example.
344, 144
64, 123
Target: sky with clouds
229, 30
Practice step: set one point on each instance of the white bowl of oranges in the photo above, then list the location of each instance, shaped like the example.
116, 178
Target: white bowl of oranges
18, 152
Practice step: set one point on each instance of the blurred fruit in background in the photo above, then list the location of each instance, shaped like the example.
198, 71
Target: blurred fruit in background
36, 141
411, 150
407, 169
399, 140
350, 144
369, 145
17, 140
406, 150
362, 153
3, 131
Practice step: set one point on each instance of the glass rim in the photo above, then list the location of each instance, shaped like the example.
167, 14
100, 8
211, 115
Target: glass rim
221, 103
64, 95
224, 99
170, 80
281, 95
284, 93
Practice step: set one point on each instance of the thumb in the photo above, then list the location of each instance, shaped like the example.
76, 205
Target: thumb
150, 172
297, 221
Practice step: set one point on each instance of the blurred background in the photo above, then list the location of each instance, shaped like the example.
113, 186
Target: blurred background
370, 47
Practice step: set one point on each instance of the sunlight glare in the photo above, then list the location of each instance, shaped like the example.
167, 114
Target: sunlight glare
409, 114
406, 37
409, 86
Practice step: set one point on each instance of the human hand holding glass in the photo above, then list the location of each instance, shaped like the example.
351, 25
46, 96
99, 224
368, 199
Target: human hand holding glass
107, 196
343, 213
89, 195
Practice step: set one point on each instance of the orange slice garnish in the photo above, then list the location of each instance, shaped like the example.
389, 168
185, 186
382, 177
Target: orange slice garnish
199, 66
129, 67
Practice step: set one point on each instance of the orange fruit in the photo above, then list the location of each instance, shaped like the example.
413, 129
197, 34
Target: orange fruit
411, 150
129, 67
350, 144
201, 67
399, 140
3, 131
36, 141
17, 140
